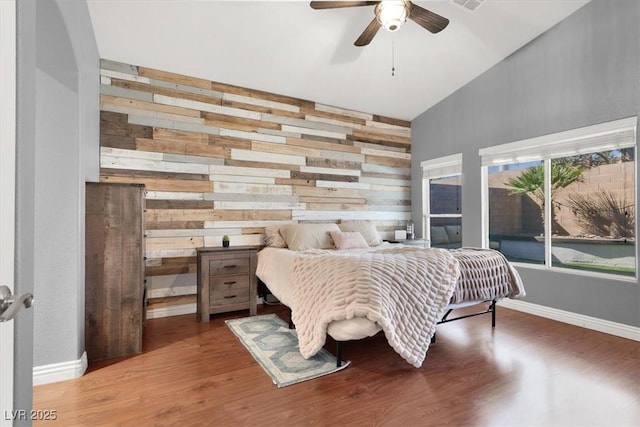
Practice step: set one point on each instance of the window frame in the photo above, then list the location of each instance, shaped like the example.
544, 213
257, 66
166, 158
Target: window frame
604, 136
441, 167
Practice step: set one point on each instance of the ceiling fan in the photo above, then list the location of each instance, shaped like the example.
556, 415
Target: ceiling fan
390, 14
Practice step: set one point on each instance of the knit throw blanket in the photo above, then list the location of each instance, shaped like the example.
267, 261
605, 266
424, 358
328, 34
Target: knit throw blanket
405, 290
485, 274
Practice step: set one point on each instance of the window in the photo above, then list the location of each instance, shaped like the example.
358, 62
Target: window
442, 197
566, 200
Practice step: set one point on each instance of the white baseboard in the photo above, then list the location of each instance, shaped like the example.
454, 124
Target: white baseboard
174, 310
600, 325
63, 371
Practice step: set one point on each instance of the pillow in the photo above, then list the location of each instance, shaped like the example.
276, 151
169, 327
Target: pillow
453, 232
366, 228
300, 237
348, 240
439, 236
273, 238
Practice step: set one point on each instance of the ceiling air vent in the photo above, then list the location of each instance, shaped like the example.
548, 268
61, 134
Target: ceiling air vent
469, 4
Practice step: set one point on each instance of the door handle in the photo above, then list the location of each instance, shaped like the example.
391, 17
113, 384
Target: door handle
10, 304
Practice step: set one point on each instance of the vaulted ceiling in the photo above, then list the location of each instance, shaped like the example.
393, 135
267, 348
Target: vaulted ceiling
288, 48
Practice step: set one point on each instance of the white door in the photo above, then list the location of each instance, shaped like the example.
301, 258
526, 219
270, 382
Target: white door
7, 195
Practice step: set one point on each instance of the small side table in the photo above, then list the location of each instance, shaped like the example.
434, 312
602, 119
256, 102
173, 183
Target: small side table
226, 280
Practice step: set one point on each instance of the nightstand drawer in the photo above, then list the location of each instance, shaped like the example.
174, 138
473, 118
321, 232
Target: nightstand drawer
230, 296
229, 266
225, 283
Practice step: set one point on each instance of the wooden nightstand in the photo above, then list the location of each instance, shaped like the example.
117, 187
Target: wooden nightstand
226, 280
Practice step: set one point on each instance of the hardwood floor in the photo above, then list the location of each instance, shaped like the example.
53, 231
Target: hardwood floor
528, 371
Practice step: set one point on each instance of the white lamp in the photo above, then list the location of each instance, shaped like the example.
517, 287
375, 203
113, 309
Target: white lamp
392, 13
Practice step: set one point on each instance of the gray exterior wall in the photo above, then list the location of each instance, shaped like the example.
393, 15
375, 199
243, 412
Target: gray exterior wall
585, 70
57, 150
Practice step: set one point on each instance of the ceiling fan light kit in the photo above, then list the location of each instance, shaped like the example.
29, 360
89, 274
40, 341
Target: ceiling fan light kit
392, 14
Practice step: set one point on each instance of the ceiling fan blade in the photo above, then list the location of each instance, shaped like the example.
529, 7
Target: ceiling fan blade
340, 4
368, 34
427, 19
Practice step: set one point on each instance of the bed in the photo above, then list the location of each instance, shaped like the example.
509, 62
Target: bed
355, 291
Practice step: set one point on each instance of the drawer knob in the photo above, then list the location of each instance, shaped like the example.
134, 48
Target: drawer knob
230, 266
230, 296
230, 283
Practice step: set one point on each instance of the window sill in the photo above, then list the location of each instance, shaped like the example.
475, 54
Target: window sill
588, 241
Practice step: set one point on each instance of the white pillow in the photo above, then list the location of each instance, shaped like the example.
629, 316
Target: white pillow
348, 240
300, 237
439, 235
366, 228
273, 238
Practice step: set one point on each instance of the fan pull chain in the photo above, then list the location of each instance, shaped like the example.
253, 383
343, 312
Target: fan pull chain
393, 56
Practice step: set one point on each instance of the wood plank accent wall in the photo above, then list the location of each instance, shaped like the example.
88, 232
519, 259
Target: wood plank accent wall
218, 159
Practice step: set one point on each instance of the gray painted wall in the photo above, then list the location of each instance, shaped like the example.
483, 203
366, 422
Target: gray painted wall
585, 70
58, 140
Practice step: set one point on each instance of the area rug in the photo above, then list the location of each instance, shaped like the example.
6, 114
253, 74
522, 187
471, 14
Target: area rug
275, 347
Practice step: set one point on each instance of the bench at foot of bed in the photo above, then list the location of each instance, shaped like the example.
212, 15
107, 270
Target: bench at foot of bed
490, 309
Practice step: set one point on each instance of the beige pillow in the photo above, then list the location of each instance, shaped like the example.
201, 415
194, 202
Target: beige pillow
439, 235
366, 228
273, 238
454, 233
348, 240
300, 237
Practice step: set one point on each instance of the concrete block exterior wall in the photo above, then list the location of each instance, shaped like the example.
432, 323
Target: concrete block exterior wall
218, 159
522, 213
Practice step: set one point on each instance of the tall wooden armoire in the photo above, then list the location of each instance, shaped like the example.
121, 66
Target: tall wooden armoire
114, 270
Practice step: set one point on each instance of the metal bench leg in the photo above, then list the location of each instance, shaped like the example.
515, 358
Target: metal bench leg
493, 313
291, 325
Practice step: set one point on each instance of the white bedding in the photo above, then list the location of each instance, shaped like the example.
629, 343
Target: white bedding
275, 267
403, 289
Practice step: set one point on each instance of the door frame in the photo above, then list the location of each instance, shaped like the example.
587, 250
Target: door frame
8, 55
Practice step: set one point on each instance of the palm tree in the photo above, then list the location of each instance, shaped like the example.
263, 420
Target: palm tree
531, 181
